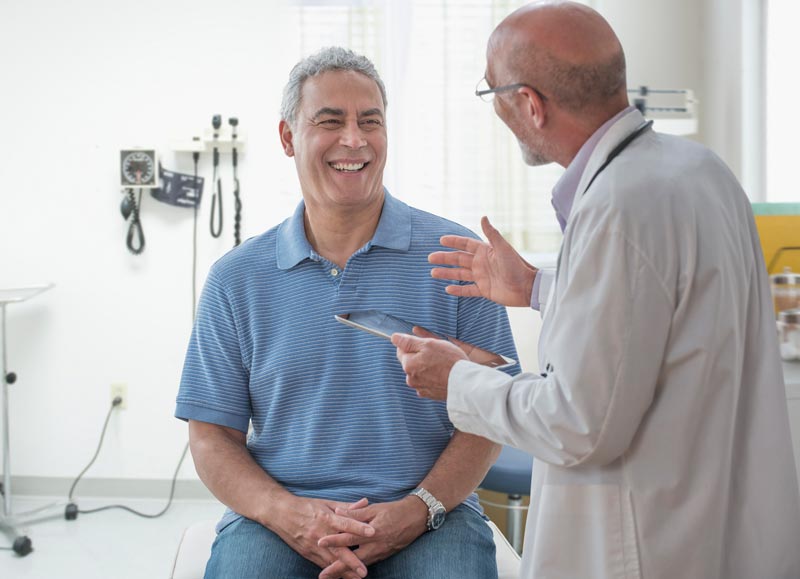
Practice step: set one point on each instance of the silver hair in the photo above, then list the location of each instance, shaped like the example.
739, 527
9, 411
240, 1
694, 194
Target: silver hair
327, 59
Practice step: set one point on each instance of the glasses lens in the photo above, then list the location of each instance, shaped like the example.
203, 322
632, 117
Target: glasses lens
482, 91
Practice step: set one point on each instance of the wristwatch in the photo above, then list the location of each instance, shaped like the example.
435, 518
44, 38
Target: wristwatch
436, 510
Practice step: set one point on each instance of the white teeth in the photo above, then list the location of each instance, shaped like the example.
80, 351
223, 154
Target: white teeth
348, 166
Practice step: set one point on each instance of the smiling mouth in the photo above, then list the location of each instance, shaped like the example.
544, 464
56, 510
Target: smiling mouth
348, 167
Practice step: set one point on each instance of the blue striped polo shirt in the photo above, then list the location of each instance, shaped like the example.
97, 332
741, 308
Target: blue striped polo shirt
332, 416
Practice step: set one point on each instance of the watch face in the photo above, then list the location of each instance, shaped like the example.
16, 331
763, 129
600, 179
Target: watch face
437, 519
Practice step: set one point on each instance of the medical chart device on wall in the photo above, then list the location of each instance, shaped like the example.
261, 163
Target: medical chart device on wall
673, 110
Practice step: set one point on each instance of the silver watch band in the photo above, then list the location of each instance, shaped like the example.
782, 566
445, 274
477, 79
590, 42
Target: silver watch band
436, 510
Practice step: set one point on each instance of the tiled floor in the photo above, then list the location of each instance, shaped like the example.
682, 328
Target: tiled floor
112, 544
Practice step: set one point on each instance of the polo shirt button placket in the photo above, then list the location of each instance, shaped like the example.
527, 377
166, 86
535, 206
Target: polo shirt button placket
336, 276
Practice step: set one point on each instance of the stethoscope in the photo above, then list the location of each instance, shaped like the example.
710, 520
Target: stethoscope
611, 156
617, 150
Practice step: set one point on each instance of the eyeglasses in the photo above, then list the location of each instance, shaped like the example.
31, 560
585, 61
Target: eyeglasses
486, 93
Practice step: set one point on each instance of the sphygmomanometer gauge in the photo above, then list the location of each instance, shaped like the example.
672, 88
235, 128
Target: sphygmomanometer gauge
138, 168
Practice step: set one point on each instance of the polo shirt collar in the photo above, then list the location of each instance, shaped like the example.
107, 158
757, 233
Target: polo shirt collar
393, 232
394, 226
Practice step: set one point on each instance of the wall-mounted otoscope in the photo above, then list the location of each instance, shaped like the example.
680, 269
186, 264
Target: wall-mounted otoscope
219, 139
237, 220
216, 182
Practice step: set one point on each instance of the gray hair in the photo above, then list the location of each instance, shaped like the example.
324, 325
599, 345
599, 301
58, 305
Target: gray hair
578, 87
575, 87
327, 59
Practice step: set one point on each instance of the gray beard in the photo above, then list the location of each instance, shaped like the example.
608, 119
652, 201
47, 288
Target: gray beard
531, 157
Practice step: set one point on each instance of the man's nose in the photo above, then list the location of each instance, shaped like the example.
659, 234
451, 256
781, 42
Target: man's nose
352, 136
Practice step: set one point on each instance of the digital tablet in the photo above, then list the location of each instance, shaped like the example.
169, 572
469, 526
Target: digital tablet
384, 325
377, 323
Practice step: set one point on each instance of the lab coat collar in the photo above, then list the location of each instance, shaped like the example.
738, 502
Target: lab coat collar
615, 134
567, 186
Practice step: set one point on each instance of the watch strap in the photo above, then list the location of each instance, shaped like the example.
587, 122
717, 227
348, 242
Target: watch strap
434, 505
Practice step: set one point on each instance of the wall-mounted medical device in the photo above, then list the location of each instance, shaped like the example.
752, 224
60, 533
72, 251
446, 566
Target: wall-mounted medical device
219, 139
228, 137
138, 168
673, 111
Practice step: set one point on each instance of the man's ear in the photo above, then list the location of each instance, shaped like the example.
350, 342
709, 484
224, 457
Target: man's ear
535, 106
287, 137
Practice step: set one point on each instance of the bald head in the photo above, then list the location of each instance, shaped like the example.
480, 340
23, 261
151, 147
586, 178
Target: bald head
567, 51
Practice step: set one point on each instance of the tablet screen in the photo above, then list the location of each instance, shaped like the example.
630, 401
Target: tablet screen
384, 325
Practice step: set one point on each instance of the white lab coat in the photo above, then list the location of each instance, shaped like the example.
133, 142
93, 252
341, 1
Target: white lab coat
660, 434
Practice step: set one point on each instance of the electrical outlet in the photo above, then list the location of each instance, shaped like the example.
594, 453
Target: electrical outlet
120, 389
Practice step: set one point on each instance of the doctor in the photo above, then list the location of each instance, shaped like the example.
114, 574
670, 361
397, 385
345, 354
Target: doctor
659, 421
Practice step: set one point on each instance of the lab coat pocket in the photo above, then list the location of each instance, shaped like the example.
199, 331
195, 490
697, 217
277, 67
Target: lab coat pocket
586, 531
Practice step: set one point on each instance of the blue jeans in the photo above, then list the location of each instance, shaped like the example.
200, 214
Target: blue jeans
462, 548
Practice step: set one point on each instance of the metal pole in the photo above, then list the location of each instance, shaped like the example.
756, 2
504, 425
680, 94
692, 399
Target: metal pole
6, 442
514, 527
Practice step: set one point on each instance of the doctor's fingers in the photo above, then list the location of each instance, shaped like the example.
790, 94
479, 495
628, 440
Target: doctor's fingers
464, 291
406, 344
421, 332
492, 234
467, 244
452, 258
424, 391
413, 360
453, 273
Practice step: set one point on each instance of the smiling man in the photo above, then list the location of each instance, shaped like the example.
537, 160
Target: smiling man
346, 471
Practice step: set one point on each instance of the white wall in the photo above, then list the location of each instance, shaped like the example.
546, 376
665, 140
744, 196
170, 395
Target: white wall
662, 41
81, 80
85, 78
690, 44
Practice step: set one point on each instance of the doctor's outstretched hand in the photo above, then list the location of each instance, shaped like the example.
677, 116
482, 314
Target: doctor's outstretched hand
427, 363
496, 270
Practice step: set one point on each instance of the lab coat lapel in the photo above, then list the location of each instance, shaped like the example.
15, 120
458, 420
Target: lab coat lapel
615, 135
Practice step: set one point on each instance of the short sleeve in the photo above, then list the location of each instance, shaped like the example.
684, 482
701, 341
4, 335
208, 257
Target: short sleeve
215, 384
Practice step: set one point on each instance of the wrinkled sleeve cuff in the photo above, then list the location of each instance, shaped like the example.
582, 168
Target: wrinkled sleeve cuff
189, 411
